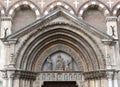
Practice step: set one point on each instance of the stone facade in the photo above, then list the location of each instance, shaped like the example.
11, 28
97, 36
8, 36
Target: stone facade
59, 40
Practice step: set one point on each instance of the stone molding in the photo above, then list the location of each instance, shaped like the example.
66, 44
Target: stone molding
4, 18
19, 74
107, 74
111, 19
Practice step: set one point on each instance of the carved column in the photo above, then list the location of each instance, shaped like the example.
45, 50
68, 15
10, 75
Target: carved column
10, 77
115, 79
86, 83
6, 24
92, 83
110, 77
104, 82
97, 83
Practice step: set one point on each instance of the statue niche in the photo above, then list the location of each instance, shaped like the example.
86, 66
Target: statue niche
59, 62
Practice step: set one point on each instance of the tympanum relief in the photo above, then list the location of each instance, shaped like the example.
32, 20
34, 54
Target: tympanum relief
59, 62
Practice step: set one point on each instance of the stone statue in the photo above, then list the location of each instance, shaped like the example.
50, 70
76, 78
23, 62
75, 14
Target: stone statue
68, 65
49, 64
59, 63
5, 32
12, 60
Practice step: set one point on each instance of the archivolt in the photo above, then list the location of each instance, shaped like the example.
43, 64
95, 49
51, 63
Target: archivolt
52, 35
51, 6
100, 5
16, 6
2, 10
116, 8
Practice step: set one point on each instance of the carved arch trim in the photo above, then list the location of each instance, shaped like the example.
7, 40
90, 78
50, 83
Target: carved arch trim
57, 48
2, 10
101, 6
58, 3
17, 5
48, 28
116, 8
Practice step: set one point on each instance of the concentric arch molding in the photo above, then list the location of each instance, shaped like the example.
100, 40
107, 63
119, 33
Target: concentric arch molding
55, 49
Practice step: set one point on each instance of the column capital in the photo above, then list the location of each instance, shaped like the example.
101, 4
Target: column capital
110, 75
111, 19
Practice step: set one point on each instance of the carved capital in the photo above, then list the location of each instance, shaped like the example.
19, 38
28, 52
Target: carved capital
109, 75
94, 75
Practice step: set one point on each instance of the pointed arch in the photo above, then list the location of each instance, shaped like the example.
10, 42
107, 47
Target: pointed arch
17, 5
102, 7
65, 5
116, 9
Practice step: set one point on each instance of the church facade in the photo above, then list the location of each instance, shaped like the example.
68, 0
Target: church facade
60, 43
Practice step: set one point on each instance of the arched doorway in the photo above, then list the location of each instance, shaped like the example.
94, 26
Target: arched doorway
59, 84
58, 50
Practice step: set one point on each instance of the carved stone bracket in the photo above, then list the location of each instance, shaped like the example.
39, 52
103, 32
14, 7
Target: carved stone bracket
21, 74
111, 73
94, 75
26, 74
109, 42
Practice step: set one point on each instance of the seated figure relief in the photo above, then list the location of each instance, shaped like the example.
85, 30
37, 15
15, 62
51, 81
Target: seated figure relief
58, 63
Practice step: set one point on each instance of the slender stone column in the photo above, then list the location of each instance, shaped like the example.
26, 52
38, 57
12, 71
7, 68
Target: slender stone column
10, 82
104, 83
97, 83
110, 81
115, 79
92, 83
10, 78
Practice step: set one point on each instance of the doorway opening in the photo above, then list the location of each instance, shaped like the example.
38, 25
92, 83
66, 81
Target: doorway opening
59, 84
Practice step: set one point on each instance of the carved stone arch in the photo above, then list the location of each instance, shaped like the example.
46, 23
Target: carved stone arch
63, 4
18, 4
68, 31
101, 6
116, 9
59, 48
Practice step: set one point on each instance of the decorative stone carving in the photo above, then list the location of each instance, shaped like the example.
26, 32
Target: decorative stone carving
60, 76
5, 32
12, 60
68, 65
62, 50
49, 64
59, 63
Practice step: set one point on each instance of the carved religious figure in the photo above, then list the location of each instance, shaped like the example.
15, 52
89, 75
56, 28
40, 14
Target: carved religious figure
59, 63
5, 32
68, 65
49, 64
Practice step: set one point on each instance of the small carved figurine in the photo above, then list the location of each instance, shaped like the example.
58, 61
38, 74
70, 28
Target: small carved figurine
59, 63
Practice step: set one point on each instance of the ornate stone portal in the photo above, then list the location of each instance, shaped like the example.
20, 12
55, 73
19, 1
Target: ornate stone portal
59, 66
